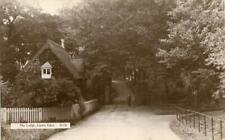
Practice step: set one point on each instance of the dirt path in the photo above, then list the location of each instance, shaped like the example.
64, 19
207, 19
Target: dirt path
121, 123
122, 91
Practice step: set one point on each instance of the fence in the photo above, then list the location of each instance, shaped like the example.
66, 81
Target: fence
205, 124
47, 114
19, 115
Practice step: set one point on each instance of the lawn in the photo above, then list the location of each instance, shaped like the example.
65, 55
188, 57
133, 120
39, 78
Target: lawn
188, 132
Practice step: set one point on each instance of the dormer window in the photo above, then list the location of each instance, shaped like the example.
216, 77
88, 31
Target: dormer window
46, 71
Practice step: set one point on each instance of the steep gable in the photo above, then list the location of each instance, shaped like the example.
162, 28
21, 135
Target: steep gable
61, 54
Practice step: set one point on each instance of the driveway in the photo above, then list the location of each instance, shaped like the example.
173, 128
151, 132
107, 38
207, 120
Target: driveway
122, 92
120, 122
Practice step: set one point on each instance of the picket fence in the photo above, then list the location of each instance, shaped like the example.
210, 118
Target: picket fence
23, 115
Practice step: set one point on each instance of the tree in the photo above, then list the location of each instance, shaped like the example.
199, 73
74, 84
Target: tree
122, 34
24, 29
185, 49
124, 31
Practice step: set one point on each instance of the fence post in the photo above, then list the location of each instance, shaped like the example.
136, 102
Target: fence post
189, 117
205, 125
4, 115
182, 117
40, 114
199, 129
221, 129
178, 116
194, 120
186, 116
212, 129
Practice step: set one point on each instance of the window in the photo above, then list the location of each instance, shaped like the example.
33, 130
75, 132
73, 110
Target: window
44, 71
48, 71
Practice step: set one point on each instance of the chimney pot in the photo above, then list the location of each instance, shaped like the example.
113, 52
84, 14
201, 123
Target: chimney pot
62, 43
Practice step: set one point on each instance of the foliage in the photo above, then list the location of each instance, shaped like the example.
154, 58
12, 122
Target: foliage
23, 29
30, 90
191, 47
123, 33
176, 50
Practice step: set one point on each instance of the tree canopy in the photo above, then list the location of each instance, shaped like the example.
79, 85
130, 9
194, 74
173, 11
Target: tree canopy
23, 30
119, 33
170, 47
195, 43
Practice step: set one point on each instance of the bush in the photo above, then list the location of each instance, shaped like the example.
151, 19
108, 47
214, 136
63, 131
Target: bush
32, 91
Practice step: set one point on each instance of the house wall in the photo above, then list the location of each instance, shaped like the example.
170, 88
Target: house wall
58, 69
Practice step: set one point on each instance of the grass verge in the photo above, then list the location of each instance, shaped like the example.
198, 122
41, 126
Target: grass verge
186, 133
27, 134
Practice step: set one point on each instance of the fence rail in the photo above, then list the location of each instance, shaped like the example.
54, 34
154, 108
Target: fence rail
205, 124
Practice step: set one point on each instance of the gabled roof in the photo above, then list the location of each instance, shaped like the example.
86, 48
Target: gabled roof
46, 65
61, 54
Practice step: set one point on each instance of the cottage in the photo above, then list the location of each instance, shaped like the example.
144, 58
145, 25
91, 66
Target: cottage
50, 50
53, 62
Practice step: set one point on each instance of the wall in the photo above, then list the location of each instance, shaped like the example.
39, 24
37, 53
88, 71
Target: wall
89, 107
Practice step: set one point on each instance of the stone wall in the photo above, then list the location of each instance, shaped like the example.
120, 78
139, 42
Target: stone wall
88, 108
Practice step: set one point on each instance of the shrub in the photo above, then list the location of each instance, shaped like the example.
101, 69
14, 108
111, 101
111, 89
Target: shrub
30, 90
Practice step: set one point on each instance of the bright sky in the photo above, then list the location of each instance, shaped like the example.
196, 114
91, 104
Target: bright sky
52, 6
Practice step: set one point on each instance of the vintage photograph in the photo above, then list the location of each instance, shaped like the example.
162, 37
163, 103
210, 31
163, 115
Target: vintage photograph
112, 69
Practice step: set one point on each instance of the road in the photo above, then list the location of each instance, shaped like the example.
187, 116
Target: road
120, 122
123, 91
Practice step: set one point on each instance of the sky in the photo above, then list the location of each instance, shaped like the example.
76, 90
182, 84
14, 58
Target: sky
52, 6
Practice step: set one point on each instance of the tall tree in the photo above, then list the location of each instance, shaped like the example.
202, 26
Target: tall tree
23, 30
123, 34
187, 49
118, 32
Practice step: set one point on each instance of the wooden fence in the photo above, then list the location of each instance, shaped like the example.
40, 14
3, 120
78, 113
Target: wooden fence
22, 115
47, 114
205, 124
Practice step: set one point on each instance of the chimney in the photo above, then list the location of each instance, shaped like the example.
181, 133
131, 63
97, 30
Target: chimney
62, 43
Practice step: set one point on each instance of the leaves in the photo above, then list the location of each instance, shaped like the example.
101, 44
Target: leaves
195, 44
23, 30
118, 33
35, 92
